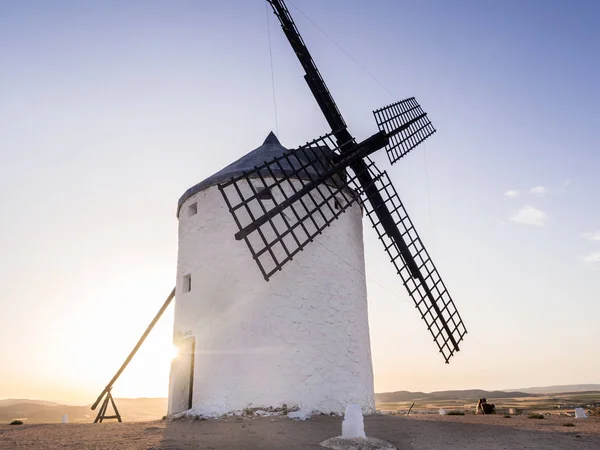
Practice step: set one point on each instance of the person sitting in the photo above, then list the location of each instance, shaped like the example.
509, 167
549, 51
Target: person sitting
479, 409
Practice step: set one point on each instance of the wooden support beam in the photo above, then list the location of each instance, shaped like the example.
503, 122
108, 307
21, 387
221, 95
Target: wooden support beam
106, 390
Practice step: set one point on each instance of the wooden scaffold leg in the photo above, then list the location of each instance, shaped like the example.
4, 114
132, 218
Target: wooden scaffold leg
102, 413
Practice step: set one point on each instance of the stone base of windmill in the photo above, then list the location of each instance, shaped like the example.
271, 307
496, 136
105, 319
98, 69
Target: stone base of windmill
353, 434
366, 443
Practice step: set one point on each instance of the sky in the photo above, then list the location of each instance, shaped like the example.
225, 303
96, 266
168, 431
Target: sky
110, 110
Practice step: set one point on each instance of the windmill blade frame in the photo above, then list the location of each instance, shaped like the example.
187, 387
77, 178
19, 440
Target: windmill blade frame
415, 267
281, 205
406, 125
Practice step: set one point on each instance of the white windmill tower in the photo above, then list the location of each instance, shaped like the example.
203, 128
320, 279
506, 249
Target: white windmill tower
295, 330
302, 339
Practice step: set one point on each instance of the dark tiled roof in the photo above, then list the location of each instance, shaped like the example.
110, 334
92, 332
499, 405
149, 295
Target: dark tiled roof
271, 148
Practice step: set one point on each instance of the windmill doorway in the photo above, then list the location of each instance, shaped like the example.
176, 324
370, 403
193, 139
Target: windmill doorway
182, 369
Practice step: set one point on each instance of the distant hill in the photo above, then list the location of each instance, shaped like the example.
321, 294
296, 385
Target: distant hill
131, 409
399, 396
407, 396
35, 412
14, 401
561, 388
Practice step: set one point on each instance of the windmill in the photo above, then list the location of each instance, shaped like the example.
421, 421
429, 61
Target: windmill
285, 206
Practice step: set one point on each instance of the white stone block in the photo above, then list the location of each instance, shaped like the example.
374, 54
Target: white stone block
353, 425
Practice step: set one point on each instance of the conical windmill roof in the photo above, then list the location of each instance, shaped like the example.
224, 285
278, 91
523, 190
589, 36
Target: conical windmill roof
271, 148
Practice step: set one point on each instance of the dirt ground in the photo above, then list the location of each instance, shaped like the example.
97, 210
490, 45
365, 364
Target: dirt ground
431, 432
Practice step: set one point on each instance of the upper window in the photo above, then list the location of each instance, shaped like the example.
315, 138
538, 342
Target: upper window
193, 209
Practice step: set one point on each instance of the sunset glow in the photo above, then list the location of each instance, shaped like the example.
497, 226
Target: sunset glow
111, 110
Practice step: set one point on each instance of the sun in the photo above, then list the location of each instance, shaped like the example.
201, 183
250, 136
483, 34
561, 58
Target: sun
174, 351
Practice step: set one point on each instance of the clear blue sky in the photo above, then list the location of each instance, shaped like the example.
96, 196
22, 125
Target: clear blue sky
110, 110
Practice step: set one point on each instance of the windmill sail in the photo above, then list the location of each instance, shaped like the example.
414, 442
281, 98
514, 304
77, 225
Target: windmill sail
403, 125
415, 267
406, 125
280, 206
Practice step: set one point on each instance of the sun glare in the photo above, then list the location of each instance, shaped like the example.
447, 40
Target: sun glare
174, 351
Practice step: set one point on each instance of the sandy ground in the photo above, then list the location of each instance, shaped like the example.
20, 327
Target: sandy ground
431, 432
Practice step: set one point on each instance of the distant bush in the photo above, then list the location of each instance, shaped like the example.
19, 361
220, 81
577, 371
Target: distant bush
568, 424
17, 422
455, 413
535, 416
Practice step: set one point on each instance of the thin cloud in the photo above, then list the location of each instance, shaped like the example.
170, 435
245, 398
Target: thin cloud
529, 215
592, 258
538, 190
595, 236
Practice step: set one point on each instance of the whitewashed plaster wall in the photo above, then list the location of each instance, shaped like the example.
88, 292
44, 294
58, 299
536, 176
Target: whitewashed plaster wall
301, 339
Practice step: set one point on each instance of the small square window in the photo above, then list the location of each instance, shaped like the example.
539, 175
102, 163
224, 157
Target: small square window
187, 283
263, 193
193, 209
